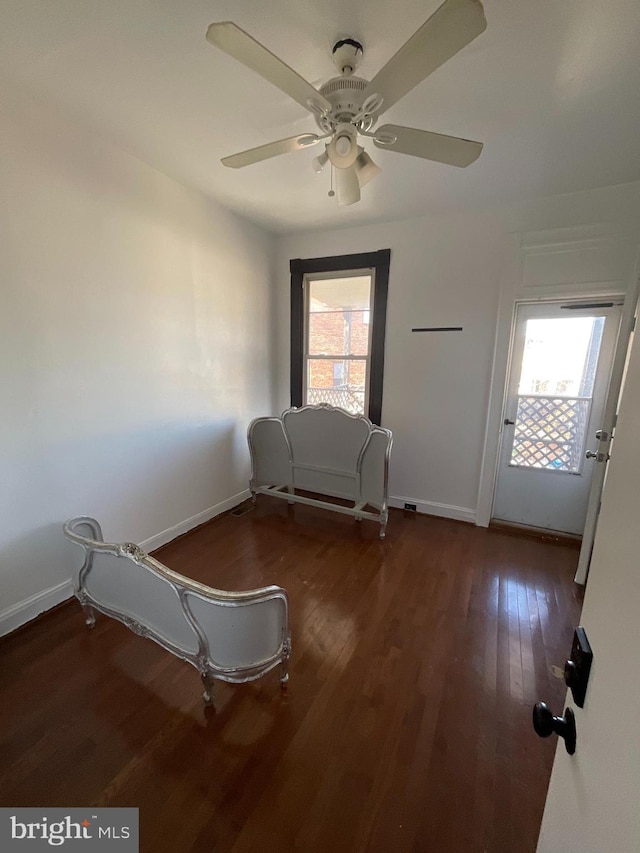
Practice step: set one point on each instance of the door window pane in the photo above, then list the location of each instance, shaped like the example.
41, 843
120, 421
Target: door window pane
560, 356
550, 433
554, 394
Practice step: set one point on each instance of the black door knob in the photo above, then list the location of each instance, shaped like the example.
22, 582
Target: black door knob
545, 724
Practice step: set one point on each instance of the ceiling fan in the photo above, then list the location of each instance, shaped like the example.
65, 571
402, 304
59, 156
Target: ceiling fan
347, 106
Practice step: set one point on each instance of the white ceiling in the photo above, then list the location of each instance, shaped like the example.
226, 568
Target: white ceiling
552, 88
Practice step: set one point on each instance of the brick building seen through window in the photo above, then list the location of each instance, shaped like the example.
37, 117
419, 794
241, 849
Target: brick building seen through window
338, 342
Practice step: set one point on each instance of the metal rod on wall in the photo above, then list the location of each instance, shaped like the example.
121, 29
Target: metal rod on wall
439, 329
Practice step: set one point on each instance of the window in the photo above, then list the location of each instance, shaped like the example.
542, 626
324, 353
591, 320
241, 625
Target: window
338, 315
555, 392
337, 341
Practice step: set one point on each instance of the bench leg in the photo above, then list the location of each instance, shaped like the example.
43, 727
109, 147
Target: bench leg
284, 666
383, 525
90, 616
207, 681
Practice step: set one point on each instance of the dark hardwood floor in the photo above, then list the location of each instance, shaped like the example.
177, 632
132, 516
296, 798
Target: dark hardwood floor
406, 725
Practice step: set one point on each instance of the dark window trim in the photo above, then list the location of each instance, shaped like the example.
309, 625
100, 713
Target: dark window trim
378, 261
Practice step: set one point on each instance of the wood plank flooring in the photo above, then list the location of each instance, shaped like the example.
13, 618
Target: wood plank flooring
406, 725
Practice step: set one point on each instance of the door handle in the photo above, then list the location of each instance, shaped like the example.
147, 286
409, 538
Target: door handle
602, 435
599, 457
545, 724
507, 422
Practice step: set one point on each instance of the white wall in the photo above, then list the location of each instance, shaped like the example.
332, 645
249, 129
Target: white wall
445, 271
135, 346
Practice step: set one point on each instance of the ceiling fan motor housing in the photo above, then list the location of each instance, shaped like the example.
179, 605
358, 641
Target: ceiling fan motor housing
345, 94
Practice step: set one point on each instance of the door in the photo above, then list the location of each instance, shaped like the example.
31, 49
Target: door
592, 802
560, 368
600, 440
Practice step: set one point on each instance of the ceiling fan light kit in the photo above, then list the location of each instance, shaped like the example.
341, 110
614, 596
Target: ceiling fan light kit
320, 162
347, 186
348, 106
343, 148
366, 168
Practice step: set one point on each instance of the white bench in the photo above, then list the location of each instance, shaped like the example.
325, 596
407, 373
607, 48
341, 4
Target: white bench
325, 450
232, 636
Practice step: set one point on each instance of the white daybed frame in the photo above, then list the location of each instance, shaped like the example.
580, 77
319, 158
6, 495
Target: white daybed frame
325, 450
231, 636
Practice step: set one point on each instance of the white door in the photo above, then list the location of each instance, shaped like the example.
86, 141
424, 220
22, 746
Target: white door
600, 440
560, 368
593, 801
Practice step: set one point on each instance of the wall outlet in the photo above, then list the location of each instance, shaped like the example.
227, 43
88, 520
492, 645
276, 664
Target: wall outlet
410, 507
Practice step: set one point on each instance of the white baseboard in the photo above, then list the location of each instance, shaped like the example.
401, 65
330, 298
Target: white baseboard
172, 533
24, 611
459, 513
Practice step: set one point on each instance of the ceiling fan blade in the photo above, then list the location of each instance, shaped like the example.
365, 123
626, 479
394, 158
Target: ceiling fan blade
241, 46
431, 146
347, 185
452, 26
271, 149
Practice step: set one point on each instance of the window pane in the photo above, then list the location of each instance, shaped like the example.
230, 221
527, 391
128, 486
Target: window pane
340, 294
339, 382
560, 356
338, 322
550, 433
554, 399
339, 333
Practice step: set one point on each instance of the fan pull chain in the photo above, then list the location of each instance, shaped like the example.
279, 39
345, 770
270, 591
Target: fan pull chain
331, 192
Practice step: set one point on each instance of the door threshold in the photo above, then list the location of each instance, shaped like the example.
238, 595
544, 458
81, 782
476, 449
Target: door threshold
573, 540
